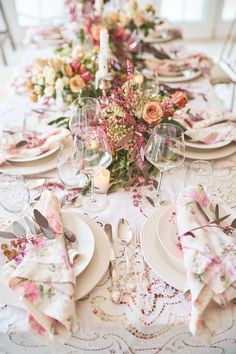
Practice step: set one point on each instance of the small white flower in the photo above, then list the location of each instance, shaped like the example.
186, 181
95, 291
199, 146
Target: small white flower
49, 91
49, 74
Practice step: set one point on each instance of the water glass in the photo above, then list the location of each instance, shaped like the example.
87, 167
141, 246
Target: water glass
68, 167
199, 172
14, 195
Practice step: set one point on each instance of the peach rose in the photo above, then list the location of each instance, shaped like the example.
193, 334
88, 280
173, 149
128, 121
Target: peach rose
179, 99
113, 17
76, 83
40, 64
139, 19
152, 113
95, 31
56, 64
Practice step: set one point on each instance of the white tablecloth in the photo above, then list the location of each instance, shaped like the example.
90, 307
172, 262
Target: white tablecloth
156, 324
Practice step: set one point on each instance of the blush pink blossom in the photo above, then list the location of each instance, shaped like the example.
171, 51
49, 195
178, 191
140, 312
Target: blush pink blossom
31, 291
199, 197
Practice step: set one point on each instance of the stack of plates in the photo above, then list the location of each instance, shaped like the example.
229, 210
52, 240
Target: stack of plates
35, 164
159, 242
94, 249
200, 151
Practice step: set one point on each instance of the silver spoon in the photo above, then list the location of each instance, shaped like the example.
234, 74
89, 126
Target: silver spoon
125, 237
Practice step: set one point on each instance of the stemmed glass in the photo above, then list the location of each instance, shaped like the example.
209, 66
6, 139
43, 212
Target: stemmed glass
199, 172
165, 149
85, 112
14, 195
94, 153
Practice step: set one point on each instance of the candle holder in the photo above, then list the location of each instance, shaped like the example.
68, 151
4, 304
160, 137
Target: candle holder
105, 84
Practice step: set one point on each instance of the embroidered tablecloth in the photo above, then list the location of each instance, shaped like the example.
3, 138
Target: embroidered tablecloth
155, 321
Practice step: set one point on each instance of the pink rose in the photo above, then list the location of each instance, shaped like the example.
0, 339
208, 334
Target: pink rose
86, 76
152, 113
76, 66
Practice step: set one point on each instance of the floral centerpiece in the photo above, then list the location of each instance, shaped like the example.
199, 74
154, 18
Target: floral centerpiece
130, 113
124, 28
64, 78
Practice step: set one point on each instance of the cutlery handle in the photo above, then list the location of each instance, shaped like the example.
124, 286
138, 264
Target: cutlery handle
115, 286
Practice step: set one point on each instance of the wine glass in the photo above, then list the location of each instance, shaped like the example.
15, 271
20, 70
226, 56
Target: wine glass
85, 112
165, 149
14, 195
199, 172
95, 154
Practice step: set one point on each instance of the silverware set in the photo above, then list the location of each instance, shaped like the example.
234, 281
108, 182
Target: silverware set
136, 277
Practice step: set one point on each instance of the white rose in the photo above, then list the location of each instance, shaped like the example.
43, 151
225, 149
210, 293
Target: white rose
77, 51
37, 89
49, 91
59, 84
49, 74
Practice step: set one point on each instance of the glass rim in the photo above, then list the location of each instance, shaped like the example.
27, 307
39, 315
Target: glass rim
181, 131
85, 97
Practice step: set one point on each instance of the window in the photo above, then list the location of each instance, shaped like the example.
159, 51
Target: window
36, 12
183, 10
229, 10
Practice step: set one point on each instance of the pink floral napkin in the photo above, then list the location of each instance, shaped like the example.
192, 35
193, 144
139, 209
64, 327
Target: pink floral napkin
37, 145
173, 67
45, 280
213, 129
209, 248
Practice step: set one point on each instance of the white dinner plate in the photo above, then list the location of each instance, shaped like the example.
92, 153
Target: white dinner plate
188, 75
38, 157
160, 37
202, 146
213, 154
35, 167
155, 255
94, 271
167, 233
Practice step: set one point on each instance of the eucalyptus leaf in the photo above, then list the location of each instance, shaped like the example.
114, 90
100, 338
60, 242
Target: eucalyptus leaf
21, 144
7, 235
233, 224
149, 199
18, 229
40, 219
70, 236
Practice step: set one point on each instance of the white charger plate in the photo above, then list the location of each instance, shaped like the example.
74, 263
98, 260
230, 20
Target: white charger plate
202, 146
38, 157
212, 154
188, 76
156, 257
91, 275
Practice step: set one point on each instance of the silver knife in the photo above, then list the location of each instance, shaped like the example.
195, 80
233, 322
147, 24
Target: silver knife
115, 286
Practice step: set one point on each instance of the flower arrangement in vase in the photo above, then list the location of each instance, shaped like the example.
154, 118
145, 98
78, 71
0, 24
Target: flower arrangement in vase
130, 113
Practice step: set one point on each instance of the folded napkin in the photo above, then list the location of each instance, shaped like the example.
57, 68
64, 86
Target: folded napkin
42, 142
44, 279
209, 251
218, 127
175, 66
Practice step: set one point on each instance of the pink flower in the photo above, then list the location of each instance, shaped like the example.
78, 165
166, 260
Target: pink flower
35, 326
200, 197
76, 66
31, 291
179, 99
86, 76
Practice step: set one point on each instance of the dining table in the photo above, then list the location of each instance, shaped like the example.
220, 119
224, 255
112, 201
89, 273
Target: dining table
152, 320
